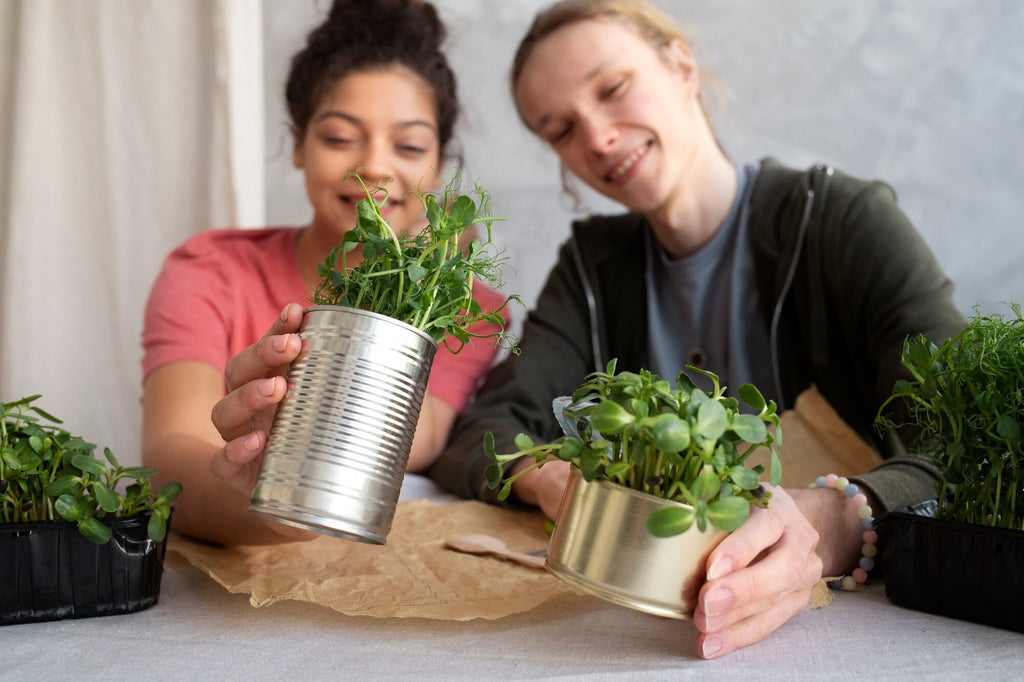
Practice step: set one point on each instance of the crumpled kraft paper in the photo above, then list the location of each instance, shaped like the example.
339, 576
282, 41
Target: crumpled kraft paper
414, 576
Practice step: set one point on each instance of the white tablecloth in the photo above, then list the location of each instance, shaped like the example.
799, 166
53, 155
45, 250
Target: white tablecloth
200, 631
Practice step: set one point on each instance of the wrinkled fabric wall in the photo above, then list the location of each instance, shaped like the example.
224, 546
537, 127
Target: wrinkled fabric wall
925, 94
126, 126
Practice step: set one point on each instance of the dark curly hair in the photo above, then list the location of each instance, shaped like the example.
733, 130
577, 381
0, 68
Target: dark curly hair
361, 35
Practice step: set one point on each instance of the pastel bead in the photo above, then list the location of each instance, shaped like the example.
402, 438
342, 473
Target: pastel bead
868, 550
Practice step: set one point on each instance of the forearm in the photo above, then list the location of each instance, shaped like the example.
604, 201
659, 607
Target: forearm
208, 508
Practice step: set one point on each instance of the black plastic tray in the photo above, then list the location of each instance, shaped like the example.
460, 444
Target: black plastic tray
960, 570
50, 571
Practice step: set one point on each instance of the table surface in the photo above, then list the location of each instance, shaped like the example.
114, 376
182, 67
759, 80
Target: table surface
198, 630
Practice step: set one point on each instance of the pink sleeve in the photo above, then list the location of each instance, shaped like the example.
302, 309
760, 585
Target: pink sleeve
454, 376
184, 319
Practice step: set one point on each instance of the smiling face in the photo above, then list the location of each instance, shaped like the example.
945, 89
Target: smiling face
381, 123
623, 117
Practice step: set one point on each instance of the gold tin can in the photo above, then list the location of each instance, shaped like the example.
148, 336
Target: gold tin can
601, 546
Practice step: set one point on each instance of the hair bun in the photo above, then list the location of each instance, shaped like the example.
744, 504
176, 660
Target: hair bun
373, 21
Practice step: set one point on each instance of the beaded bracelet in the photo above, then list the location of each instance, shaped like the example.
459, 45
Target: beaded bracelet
860, 502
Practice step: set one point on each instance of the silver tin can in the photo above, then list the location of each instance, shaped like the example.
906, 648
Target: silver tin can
341, 437
601, 546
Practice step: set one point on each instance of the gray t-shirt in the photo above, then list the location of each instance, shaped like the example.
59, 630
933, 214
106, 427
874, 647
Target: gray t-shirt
704, 309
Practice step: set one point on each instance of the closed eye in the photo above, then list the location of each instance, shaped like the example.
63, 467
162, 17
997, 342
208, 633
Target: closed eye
616, 88
561, 136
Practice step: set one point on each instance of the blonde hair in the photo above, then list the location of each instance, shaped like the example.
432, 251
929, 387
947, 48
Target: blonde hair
655, 27
650, 23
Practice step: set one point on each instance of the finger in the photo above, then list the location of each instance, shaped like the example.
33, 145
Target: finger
271, 354
234, 414
757, 588
751, 630
762, 530
238, 461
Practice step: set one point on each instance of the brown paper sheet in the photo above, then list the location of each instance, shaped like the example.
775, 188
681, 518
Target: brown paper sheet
414, 576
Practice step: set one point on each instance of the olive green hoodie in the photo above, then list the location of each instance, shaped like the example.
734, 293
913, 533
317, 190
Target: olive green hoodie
843, 276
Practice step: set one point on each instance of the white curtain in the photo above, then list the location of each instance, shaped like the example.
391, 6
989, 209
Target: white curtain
125, 127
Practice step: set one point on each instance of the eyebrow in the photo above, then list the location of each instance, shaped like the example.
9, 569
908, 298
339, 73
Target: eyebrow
333, 113
587, 77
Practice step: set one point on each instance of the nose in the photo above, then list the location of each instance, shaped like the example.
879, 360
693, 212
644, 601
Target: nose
377, 163
600, 134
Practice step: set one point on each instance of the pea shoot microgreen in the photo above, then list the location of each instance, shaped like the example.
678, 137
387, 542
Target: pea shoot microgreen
965, 398
425, 280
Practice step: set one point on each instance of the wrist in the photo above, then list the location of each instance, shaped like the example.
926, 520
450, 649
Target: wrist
855, 544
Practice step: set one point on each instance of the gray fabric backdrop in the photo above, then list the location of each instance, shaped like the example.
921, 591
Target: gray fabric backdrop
926, 94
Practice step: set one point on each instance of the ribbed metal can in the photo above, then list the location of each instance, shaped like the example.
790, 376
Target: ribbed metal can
341, 437
601, 546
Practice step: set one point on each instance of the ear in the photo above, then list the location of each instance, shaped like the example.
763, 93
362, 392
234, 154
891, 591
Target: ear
680, 58
298, 154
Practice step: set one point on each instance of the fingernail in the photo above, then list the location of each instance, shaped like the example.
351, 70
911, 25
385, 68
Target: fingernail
252, 442
266, 387
711, 646
720, 567
281, 343
717, 601
284, 312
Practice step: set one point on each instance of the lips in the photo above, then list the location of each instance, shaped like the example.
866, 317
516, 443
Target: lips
622, 171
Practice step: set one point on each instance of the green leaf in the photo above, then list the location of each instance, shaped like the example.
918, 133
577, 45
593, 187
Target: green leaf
728, 513
743, 477
671, 434
139, 472
570, 450
1008, 428
493, 474
616, 469
711, 420
88, 464
169, 491
505, 491
94, 530
68, 508
109, 501
707, 484
523, 441
489, 446
416, 272
670, 521
751, 396
156, 529
775, 469
749, 428
610, 418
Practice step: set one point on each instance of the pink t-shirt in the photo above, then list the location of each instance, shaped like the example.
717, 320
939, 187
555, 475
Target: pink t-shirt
220, 291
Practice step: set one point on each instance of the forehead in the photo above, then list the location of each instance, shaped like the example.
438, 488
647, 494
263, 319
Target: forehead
386, 96
572, 56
